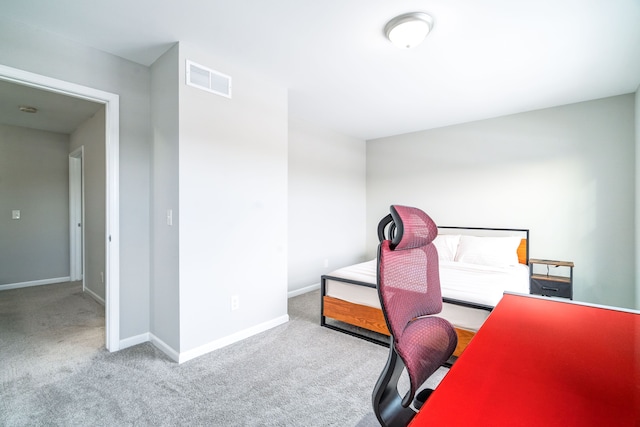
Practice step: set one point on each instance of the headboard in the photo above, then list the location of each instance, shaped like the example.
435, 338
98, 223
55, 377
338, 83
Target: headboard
523, 248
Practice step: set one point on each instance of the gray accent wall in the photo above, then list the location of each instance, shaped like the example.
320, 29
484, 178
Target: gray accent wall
91, 136
566, 173
34, 178
327, 203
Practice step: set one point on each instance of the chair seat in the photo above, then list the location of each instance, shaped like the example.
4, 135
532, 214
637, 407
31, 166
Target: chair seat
426, 343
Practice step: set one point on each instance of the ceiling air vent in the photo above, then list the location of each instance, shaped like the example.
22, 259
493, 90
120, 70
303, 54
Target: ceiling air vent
207, 79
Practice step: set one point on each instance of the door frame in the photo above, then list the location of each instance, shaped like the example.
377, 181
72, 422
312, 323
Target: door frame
76, 215
111, 102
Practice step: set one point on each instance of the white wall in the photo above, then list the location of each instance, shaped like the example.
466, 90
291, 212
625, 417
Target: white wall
34, 178
327, 202
233, 206
637, 195
91, 135
165, 281
566, 173
40, 52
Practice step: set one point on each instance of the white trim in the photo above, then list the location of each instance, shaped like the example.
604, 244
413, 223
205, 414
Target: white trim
93, 295
112, 226
34, 283
304, 290
223, 342
176, 356
135, 340
165, 348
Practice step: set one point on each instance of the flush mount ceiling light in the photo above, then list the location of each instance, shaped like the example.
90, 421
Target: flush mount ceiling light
27, 109
408, 30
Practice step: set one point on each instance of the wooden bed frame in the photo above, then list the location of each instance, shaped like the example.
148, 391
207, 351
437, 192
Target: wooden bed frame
372, 319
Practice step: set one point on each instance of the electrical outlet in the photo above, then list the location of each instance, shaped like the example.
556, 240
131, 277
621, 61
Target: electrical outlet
235, 302
326, 262
102, 277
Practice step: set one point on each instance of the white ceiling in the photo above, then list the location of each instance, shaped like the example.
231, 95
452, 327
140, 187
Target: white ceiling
484, 58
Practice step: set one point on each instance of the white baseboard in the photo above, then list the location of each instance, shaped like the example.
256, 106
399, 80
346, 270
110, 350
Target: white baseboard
149, 337
304, 290
165, 348
204, 349
131, 341
34, 283
223, 342
94, 296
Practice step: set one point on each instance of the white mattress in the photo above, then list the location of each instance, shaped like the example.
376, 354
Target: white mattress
481, 284
465, 282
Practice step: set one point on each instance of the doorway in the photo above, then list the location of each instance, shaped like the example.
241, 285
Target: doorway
112, 226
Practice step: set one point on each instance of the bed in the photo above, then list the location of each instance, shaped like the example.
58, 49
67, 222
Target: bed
477, 265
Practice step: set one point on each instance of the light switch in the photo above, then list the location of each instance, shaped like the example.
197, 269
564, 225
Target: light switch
15, 214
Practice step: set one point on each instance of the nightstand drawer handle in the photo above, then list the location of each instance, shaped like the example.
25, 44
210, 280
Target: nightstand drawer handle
546, 288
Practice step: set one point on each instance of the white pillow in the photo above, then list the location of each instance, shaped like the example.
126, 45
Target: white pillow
447, 246
492, 251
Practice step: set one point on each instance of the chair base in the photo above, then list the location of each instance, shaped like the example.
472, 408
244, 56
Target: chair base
387, 402
421, 398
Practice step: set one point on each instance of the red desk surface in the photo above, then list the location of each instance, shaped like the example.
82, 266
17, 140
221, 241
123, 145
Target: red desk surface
540, 362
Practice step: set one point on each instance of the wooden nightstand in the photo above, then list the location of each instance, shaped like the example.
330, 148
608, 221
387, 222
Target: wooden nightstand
558, 284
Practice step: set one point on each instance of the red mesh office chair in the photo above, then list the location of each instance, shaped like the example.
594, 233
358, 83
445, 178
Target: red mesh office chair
409, 291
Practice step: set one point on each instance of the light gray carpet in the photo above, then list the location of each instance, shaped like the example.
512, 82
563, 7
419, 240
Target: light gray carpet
55, 371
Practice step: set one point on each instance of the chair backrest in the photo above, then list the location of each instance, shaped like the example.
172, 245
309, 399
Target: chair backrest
409, 290
408, 269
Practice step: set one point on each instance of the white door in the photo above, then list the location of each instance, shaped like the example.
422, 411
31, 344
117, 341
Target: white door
76, 215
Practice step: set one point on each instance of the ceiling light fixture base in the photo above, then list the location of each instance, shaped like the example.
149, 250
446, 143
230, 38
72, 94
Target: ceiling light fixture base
408, 30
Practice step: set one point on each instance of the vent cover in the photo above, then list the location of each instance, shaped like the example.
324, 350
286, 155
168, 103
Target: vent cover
207, 79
